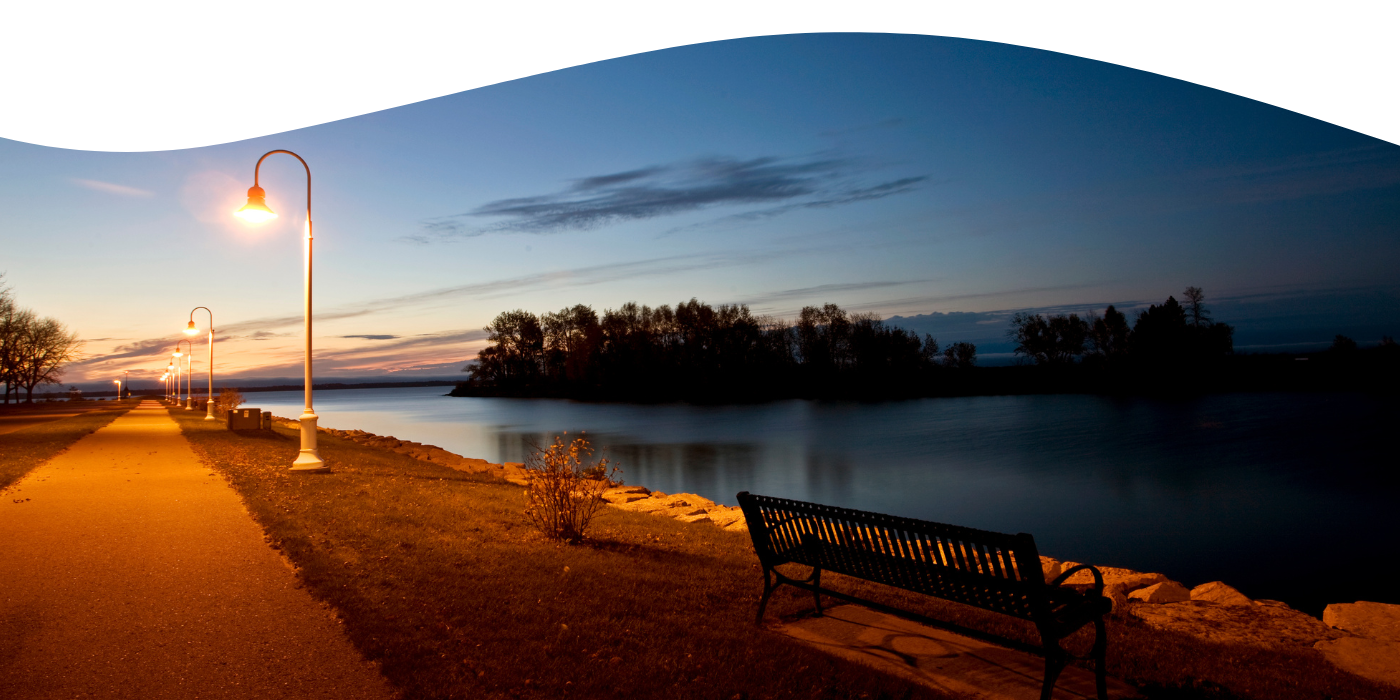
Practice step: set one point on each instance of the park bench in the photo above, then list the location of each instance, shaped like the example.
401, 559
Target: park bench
988, 570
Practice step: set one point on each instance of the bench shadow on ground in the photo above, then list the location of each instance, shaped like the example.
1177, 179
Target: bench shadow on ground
939, 659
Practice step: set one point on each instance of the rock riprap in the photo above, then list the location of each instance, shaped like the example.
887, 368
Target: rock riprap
686, 507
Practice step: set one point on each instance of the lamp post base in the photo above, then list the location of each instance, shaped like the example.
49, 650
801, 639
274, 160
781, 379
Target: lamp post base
309, 460
209, 410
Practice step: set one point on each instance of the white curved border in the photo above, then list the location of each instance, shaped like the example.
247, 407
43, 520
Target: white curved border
165, 75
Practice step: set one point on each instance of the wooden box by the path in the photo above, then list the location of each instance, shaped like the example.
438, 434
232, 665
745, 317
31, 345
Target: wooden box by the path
989, 570
245, 419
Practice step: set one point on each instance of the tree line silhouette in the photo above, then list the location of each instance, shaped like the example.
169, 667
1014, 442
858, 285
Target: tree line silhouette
1170, 334
700, 352
697, 352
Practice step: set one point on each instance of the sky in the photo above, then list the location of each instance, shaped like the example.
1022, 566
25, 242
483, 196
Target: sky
943, 184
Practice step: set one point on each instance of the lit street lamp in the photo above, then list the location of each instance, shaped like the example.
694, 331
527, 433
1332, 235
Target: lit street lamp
189, 365
191, 330
175, 357
256, 211
118, 382
169, 372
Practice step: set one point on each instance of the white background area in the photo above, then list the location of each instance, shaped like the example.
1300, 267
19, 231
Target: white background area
145, 76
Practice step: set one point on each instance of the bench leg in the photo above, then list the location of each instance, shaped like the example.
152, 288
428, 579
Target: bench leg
1100, 653
768, 587
1055, 661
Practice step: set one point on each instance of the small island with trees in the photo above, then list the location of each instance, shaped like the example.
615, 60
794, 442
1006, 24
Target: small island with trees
701, 353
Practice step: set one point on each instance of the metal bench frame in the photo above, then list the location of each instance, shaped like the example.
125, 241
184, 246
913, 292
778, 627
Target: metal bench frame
988, 570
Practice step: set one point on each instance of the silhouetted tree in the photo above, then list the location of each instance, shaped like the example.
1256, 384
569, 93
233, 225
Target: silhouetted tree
516, 354
1162, 334
1343, 344
960, 356
1108, 336
571, 337
1049, 341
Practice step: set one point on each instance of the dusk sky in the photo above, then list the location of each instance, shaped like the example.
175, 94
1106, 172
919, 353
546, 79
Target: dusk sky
902, 175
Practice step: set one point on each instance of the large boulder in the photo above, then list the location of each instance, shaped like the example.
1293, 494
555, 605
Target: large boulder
1125, 580
1166, 592
1365, 619
1219, 592
1268, 626
724, 517
625, 494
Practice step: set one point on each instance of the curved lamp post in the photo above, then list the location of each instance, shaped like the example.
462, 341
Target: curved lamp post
256, 211
175, 360
191, 330
189, 366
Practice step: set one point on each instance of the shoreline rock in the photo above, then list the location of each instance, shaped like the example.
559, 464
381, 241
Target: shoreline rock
686, 507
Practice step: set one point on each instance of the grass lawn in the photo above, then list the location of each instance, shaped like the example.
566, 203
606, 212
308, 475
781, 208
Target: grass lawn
438, 577
26, 448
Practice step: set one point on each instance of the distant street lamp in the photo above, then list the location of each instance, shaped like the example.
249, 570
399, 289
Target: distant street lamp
189, 365
256, 211
191, 330
118, 382
175, 361
169, 372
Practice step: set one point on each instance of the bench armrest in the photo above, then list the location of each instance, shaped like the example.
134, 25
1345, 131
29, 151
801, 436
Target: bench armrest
1098, 577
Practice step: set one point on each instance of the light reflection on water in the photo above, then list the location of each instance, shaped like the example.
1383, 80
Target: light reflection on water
1284, 496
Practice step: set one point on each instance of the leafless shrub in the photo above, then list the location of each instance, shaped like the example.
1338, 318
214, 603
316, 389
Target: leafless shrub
229, 399
565, 489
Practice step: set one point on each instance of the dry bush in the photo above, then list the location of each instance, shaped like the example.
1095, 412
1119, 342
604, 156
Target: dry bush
228, 400
565, 490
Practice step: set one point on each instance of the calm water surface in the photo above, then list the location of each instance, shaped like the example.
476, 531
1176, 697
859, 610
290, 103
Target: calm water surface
1284, 496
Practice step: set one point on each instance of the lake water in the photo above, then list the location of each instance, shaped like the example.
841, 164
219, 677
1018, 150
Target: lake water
1284, 496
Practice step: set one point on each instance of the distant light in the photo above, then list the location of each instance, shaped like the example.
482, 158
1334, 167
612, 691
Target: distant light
256, 211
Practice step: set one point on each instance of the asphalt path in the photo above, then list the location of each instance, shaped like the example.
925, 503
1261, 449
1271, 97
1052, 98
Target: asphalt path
129, 570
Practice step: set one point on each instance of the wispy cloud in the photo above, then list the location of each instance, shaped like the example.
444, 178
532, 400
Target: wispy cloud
372, 337
664, 190
824, 291
112, 188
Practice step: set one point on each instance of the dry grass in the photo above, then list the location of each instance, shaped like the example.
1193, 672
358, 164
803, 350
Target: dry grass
441, 579
24, 449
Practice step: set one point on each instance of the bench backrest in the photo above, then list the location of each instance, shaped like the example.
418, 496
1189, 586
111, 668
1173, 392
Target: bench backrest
989, 570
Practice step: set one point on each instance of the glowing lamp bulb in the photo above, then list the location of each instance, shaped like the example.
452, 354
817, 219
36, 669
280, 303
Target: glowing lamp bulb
179, 354
190, 329
256, 211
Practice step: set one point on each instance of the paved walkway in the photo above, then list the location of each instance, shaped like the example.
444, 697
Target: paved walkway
131, 571
951, 663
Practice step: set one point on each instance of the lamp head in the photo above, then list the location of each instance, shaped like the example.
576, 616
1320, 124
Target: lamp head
178, 354
256, 211
190, 329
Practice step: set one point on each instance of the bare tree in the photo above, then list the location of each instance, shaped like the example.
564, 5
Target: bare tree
12, 319
42, 347
1195, 306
